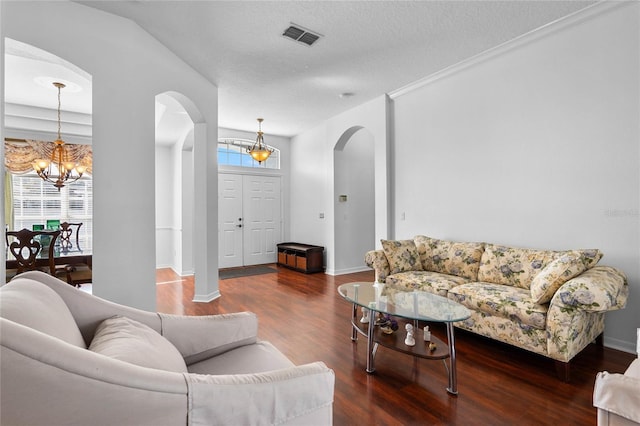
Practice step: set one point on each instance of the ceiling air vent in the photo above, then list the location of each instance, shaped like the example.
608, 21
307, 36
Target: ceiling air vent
301, 34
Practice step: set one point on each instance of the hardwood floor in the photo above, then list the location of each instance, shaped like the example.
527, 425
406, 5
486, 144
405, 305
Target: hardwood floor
304, 317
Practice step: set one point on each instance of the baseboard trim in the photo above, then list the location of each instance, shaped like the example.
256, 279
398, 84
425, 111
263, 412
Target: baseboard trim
198, 298
348, 270
621, 345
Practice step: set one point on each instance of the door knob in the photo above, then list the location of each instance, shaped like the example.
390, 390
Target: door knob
239, 226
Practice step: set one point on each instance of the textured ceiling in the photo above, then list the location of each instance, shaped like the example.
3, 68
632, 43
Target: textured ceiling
368, 48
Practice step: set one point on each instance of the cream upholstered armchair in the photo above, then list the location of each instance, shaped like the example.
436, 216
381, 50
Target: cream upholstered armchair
68, 357
617, 396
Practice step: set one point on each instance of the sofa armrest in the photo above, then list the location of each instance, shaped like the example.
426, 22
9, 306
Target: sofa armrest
196, 337
89, 311
599, 289
377, 260
618, 394
201, 337
42, 375
276, 397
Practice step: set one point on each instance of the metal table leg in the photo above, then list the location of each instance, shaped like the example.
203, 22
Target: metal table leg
371, 346
453, 385
354, 315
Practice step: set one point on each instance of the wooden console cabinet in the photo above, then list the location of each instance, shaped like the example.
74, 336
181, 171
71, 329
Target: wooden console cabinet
301, 257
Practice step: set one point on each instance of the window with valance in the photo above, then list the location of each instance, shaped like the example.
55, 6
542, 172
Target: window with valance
20, 154
29, 200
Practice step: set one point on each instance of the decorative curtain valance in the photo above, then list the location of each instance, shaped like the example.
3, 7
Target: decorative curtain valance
19, 155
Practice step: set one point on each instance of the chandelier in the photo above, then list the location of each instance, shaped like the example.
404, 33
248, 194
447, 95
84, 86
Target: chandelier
259, 150
60, 169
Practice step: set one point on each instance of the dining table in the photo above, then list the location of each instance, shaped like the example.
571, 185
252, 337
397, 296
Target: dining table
71, 254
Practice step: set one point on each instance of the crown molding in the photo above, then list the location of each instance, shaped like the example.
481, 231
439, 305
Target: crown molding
15, 133
546, 30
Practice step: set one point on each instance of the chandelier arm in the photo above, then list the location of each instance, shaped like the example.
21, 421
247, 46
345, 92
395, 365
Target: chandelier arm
46, 178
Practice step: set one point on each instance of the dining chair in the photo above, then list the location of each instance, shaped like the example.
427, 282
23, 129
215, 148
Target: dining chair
77, 274
26, 247
67, 230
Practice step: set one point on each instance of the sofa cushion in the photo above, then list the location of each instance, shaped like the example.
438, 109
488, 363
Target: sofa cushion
448, 257
503, 301
402, 255
35, 305
248, 359
550, 279
433, 282
136, 343
513, 266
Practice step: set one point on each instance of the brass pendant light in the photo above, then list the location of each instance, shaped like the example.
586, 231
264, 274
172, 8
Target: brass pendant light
259, 150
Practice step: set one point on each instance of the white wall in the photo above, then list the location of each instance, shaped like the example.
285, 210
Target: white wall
310, 152
129, 68
165, 221
312, 179
534, 145
174, 206
355, 217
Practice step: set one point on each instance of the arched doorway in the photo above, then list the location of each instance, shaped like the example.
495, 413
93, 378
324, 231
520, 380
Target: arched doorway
180, 129
30, 118
174, 186
354, 199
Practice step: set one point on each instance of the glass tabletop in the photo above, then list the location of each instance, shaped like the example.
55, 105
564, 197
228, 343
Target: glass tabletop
414, 305
83, 248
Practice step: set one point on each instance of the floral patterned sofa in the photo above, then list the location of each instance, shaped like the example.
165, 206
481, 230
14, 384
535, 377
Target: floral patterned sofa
548, 302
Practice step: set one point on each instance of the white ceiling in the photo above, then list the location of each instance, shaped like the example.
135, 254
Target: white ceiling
368, 48
29, 72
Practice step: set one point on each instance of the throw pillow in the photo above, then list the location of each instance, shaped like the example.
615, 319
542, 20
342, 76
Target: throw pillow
513, 265
550, 279
402, 255
461, 259
136, 343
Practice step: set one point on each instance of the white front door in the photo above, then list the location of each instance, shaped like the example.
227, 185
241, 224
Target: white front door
230, 217
262, 219
250, 219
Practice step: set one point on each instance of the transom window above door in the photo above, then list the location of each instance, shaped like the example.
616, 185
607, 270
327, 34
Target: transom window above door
233, 152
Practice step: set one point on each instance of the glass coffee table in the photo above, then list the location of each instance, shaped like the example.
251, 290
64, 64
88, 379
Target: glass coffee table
410, 305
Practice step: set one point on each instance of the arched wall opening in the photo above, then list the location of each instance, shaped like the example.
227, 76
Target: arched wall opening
30, 117
174, 182
177, 120
354, 199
